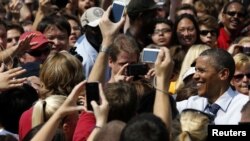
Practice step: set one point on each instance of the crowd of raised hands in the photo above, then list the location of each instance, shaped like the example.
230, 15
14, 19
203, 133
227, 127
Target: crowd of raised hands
163, 71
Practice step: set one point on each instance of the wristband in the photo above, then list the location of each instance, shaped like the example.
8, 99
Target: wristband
98, 127
105, 50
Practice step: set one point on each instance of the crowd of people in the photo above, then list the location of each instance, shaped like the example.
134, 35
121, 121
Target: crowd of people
51, 49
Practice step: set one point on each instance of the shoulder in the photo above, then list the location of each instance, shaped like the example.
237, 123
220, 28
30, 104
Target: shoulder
194, 102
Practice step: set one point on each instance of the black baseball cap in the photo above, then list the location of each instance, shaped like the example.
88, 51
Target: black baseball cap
137, 6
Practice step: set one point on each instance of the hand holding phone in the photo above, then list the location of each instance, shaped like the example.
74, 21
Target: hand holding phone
92, 93
117, 11
137, 69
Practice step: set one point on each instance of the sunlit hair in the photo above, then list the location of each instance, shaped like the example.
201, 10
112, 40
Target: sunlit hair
59, 74
244, 40
194, 125
241, 60
193, 52
44, 109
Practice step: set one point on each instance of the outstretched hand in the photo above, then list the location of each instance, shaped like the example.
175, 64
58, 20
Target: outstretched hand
24, 45
120, 76
8, 78
164, 64
70, 104
109, 29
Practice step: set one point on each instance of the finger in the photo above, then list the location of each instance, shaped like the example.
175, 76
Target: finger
18, 81
15, 85
94, 105
129, 78
101, 92
79, 108
2, 67
159, 56
17, 73
121, 22
107, 12
77, 90
121, 70
14, 70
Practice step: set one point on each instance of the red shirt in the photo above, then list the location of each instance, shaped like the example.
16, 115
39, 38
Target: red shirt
223, 40
25, 123
84, 127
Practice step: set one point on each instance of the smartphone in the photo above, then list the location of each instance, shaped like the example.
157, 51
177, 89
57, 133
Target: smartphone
117, 11
92, 93
137, 69
149, 55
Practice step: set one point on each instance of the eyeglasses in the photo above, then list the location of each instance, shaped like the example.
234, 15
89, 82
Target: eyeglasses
164, 30
11, 39
233, 13
39, 53
205, 32
239, 77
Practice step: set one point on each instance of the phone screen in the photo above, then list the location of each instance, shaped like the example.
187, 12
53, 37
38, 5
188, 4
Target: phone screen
92, 93
116, 12
149, 56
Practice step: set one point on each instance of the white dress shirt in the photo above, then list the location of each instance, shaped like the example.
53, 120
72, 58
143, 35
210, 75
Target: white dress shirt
230, 103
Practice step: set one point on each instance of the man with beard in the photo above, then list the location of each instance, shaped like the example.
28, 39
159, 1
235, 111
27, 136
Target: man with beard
214, 70
233, 16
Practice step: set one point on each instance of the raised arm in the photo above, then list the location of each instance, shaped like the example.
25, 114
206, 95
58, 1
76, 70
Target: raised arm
101, 114
47, 132
109, 31
163, 71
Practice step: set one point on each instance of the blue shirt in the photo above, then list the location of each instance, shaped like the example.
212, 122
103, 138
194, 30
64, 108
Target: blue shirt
88, 53
231, 103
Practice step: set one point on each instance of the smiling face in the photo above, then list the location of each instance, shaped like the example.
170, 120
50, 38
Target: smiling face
241, 78
186, 32
233, 17
207, 77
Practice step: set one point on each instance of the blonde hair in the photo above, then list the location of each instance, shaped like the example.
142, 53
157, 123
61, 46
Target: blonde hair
241, 60
60, 73
194, 125
244, 40
192, 53
44, 109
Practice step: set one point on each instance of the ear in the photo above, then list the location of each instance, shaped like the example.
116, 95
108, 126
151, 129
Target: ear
66, 128
224, 74
232, 82
110, 62
223, 16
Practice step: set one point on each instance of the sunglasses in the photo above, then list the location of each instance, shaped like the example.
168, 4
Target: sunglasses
205, 32
239, 77
39, 53
233, 13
